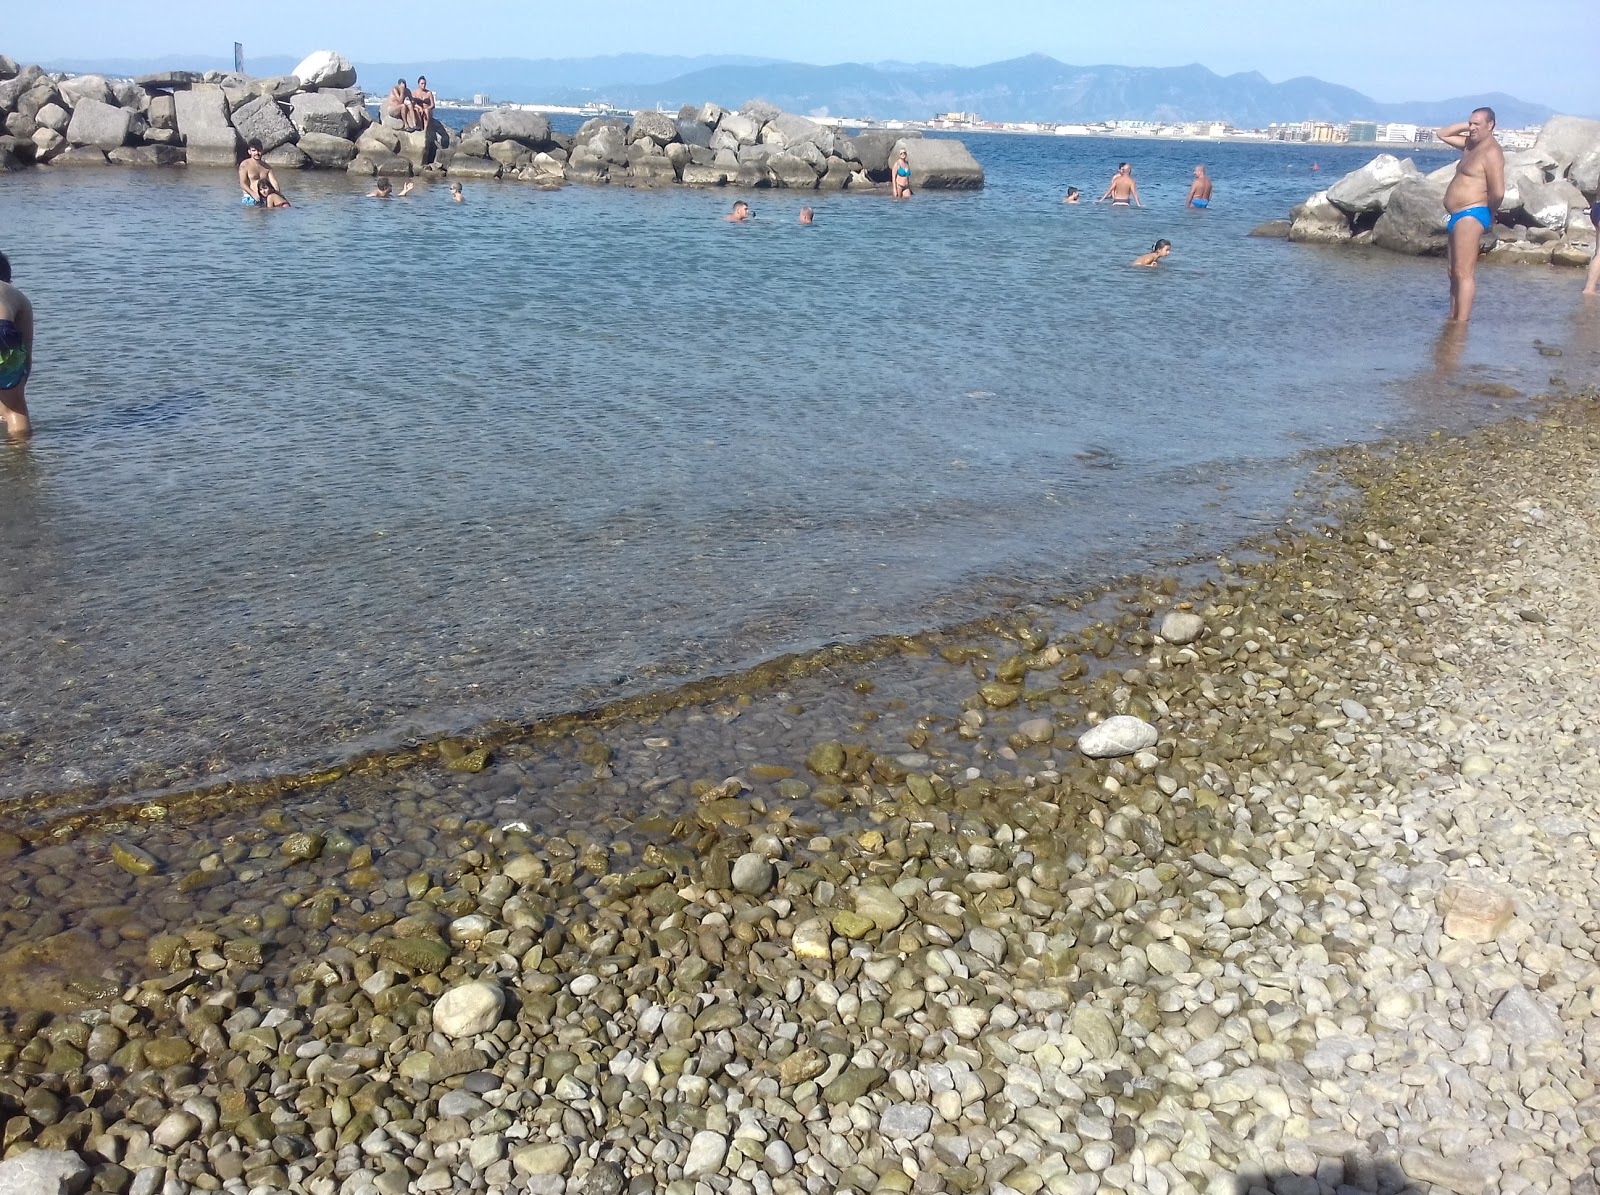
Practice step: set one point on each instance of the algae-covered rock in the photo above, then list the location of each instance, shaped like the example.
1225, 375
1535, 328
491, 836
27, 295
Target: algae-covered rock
304, 847
826, 759
132, 860
415, 954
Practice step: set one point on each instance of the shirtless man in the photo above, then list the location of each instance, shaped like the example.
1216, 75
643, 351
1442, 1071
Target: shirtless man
16, 354
423, 102
740, 213
1200, 189
1471, 200
399, 106
1123, 191
256, 180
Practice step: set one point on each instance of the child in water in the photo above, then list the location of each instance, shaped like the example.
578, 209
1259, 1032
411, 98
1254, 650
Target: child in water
1153, 258
1072, 195
380, 190
455, 193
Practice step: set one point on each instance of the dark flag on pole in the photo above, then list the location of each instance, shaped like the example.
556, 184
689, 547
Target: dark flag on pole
238, 57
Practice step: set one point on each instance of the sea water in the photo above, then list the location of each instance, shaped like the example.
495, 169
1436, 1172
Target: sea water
312, 481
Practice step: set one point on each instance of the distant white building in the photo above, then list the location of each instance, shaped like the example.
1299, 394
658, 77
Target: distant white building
1397, 134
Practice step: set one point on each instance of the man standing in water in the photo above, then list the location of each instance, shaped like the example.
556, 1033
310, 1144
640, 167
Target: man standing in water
1200, 189
256, 180
1123, 191
1471, 201
16, 354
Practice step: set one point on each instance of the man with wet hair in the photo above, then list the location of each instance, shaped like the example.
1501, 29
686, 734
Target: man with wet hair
1470, 201
256, 180
16, 354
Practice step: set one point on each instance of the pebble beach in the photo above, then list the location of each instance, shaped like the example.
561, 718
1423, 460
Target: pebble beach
1278, 877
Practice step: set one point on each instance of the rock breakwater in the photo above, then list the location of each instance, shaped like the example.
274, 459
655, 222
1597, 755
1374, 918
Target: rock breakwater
1320, 916
1544, 218
321, 121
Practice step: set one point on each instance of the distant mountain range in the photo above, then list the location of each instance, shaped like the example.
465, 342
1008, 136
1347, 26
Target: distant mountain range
1035, 88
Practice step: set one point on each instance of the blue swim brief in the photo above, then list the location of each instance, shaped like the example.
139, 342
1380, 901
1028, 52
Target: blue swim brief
1480, 213
249, 201
1201, 202
14, 363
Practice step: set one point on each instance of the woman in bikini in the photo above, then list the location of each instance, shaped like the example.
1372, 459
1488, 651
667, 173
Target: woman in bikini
902, 176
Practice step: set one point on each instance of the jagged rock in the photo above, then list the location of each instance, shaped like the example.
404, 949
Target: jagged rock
1565, 139
47, 143
378, 140
16, 87
709, 115
324, 68
657, 126
103, 126
262, 120
787, 130
511, 154
1319, 222
146, 155
85, 87
1368, 189
130, 95
741, 129
417, 148
8, 67
1585, 174
1273, 229
529, 128
788, 170
279, 87
287, 157
692, 132
1414, 220
392, 166
44, 1172
1550, 205
326, 150
874, 149
313, 112
467, 166
760, 111
653, 172
704, 176
836, 177
939, 165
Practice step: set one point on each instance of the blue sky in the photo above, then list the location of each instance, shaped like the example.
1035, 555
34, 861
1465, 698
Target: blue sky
1390, 49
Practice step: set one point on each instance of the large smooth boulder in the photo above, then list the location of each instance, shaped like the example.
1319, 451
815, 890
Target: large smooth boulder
692, 132
200, 110
610, 145
873, 148
324, 68
787, 130
52, 116
44, 1172
1367, 189
313, 112
80, 155
8, 67
104, 126
262, 120
378, 140
22, 126
1318, 221
1585, 174
704, 176
287, 157
47, 144
15, 88
279, 87
467, 166
213, 147
1414, 220
146, 155
505, 124
163, 112
653, 171
85, 87
654, 126
791, 171
326, 150
741, 129
940, 165
1550, 205
1568, 138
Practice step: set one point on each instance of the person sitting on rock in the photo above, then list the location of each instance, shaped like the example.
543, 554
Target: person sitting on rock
256, 180
423, 102
740, 213
1153, 258
400, 106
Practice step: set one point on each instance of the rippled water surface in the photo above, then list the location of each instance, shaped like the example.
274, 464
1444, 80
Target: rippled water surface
357, 471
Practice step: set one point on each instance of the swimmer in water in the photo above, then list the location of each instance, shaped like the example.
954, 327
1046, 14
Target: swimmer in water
380, 190
902, 176
1200, 189
1073, 195
455, 193
740, 213
1153, 258
1123, 191
16, 354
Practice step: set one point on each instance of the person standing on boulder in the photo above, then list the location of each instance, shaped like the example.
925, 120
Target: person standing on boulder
1200, 189
16, 354
1471, 200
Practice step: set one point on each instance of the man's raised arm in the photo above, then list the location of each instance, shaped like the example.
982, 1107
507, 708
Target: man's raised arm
1455, 135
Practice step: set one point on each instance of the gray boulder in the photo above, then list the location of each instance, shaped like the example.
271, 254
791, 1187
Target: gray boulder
653, 171
168, 80
213, 147
313, 112
873, 149
654, 126
52, 116
704, 176
510, 154
1414, 220
130, 95
760, 111
79, 155
836, 177
14, 89
610, 145
47, 144
146, 155
940, 165
262, 120
709, 115
279, 87
529, 128
1317, 221
1568, 138
104, 126
792, 172
44, 1172
163, 112
786, 130
753, 155
8, 67
85, 87
40, 95
740, 128
161, 137
202, 111
1277, 230
1585, 174
326, 150
325, 68
392, 166
287, 157
1367, 189
692, 132
1550, 205
467, 166
21, 126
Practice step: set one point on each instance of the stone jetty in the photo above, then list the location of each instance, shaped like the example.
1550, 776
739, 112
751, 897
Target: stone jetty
1278, 884
318, 118
1390, 203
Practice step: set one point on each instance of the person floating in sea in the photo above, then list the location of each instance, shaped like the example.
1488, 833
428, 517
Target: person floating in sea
1073, 195
1123, 191
1153, 258
1591, 285
256, 180
381, 190
1471, 200
1200, 189
807, 216
16, 354
902, 176
455, 193
740, 213
400, 106
423, 103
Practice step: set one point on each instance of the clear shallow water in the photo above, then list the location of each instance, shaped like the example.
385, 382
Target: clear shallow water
356, 471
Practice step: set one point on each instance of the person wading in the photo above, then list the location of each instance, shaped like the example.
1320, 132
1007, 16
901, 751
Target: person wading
1471, 201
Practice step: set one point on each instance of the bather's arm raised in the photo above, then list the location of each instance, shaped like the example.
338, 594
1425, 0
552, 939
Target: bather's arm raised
1454, 135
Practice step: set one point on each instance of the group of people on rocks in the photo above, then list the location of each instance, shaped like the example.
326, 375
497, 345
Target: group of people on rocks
412, 108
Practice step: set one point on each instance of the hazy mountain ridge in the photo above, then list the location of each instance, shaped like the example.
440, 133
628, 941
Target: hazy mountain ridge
1034, 88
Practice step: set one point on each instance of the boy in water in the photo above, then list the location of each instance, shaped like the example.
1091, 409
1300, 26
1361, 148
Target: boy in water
1153, 258
16, 354
740, 214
